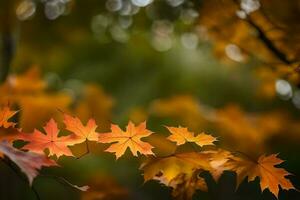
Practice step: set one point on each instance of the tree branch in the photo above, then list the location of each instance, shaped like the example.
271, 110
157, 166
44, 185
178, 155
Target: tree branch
7, 39
265, 40
268, 43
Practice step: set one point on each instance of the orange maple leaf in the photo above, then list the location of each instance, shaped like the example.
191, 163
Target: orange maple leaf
181, 135
5, 115
270, 176
82, 132
131, 138
39, 141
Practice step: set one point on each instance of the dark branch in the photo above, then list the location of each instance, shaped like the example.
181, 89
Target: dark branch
268, 43
16, 171
265, 40
7, 38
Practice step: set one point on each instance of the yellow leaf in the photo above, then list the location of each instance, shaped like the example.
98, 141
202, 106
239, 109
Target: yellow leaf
181, 135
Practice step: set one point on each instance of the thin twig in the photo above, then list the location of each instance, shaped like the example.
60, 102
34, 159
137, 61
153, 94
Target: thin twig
246, 155
61, 180
195, 147
86, 152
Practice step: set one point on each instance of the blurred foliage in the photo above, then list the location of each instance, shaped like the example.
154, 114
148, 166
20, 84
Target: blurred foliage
227, 67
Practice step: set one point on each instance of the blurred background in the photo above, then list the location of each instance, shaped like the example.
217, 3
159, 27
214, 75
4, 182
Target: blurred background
227, 67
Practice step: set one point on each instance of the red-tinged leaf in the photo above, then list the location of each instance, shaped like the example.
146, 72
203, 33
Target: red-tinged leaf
39, 141
30, 163
9, 134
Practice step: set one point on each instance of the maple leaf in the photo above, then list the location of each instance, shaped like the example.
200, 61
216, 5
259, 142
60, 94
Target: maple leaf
179, 171
9, 134
39, 141
82, 132
270, 176
131, 138
167, 168
218, 159
181, 135
5, 115
28, 162
185, 185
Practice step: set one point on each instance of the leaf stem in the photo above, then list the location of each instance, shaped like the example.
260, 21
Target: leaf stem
246, 155
87, 150
195, 147
265, 40
61, 180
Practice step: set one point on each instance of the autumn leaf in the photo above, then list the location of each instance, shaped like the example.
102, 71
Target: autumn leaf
5, 115
9, 134
185, 185
166, 168
218, 159
82, 132
265, 168
7, 130
131, 138
28, 162
181, 135
39, 141
179, 171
